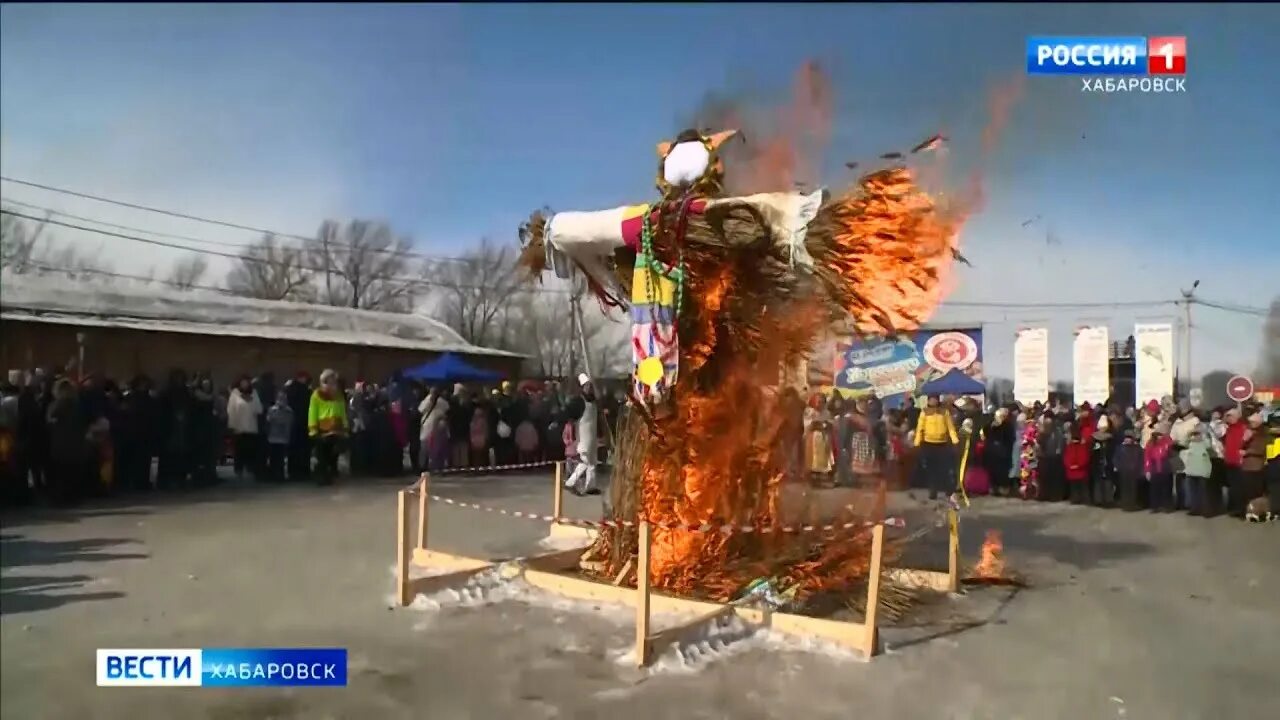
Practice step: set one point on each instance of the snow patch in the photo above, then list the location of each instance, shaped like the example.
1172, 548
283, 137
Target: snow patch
556, 543
726, 637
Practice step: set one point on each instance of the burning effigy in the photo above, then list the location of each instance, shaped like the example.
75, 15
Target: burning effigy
726, 296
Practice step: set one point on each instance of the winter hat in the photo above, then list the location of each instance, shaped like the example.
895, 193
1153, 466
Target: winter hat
583, 379
1153, 407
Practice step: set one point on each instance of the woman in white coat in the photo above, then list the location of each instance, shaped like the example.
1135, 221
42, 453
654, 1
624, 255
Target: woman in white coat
243, 410
434, 430
583, 479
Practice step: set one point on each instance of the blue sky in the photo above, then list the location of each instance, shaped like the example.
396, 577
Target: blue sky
453, 122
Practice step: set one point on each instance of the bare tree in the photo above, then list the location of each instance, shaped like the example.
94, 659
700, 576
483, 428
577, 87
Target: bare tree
271, 269
187, 272
19, 242
25, 248
541, 326
360, 265
476, 294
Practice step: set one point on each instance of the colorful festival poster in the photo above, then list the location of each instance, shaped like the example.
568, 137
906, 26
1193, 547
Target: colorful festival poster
946, 362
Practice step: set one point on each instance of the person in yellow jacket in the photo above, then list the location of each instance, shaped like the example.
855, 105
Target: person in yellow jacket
327, 425
936, 439
1273, 465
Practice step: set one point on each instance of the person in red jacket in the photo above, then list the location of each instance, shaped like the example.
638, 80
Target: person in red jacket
1075, 460
1232, 459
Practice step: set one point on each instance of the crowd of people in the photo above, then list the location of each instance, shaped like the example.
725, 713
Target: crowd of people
63, 439
1162, 457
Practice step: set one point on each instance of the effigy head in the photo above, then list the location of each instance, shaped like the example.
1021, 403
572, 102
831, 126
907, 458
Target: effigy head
691, 163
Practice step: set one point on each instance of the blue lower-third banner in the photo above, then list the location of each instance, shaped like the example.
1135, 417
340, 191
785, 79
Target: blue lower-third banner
223, 667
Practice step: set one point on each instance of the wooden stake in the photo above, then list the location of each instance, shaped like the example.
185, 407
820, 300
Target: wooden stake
423, 486
953, 552
622, 576
642, 597
557, 503
873, 591
402, 547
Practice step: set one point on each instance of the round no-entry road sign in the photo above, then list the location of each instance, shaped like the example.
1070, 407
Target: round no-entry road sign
1239, 388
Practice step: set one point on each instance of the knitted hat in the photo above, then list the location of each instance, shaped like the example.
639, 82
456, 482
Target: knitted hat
583, 379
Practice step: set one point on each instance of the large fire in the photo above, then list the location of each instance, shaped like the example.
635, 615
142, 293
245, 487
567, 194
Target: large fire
879, 252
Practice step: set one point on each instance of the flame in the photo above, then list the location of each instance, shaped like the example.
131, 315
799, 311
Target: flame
893, 251
991, 564
883, 252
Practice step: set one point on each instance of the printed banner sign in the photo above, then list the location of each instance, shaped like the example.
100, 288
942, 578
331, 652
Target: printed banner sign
1091, 365
1153, 353
1031, 366
945, 362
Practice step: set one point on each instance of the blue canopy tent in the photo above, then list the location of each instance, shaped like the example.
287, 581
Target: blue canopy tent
449, 367
954, 383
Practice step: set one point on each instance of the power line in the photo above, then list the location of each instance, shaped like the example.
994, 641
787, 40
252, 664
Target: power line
122, 276
174, 236
247, 258
1229, 307
1001, 305
196, 218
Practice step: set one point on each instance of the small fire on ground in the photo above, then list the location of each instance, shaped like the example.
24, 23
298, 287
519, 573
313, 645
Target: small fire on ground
991, 564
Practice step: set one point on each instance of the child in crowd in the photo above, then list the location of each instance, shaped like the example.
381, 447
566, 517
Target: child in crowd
1198, 466
279, 428
1128, 463
1158, 470
1075, 461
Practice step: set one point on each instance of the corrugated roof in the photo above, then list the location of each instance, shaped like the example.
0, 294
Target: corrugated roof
97, 303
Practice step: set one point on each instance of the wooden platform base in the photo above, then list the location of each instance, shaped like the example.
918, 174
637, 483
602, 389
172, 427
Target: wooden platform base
556, 572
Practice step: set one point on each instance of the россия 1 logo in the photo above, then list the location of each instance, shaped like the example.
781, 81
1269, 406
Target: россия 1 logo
1113, 64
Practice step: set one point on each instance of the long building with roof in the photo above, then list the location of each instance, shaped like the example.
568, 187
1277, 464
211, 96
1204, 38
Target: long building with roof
125, 330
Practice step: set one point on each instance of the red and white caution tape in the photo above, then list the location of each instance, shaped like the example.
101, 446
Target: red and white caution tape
491, 468
895, 522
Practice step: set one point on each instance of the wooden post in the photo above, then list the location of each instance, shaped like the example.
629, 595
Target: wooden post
873, 590
557, 503
642, 597
953, 552
423, 485
402, 547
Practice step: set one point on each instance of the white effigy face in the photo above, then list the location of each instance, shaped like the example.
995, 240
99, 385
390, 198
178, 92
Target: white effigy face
686, 163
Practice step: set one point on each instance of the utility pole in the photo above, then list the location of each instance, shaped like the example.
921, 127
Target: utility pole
1188, 297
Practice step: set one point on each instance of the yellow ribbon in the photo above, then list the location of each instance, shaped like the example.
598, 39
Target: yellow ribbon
964, 460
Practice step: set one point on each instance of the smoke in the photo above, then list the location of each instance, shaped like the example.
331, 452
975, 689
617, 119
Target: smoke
780, 145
